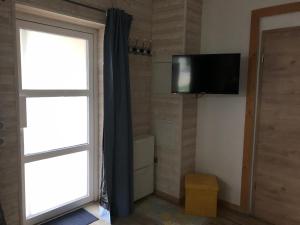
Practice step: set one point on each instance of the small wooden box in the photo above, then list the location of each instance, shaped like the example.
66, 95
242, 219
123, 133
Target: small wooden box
201, 195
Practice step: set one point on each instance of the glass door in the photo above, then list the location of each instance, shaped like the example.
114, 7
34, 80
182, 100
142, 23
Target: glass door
56, 118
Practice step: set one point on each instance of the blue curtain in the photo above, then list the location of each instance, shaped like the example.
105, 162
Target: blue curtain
2, 219
117, 178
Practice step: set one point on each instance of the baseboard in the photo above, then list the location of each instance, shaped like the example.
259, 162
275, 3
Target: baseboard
169, 198
221, 203
231, 206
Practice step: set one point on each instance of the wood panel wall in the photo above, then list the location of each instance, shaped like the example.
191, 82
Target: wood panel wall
9, 151
140, 68
166, 116
168, 39
188, 137
168, 26
193, 15
176, 29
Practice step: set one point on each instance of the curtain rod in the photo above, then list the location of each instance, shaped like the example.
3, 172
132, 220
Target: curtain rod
86, 6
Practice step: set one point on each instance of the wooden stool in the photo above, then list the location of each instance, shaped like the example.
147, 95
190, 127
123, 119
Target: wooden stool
201, 195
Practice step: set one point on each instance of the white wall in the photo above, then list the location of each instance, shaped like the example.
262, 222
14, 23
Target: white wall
220, 132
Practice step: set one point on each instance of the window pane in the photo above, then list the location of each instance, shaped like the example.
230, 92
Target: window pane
55, 122
50, 61
51, 183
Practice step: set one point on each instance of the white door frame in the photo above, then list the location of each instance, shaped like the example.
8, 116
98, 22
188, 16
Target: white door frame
38, 23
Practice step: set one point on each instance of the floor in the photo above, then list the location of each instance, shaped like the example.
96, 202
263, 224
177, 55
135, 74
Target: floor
155, 211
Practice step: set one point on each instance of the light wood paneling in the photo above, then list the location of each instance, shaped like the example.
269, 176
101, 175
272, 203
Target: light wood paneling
188, 132
176, 30
140, 77
9, 151
193, 13
168, 39
166, 115
168, 27
277, 160
62, 7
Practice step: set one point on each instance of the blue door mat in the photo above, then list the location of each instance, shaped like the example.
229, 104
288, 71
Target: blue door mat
78, 217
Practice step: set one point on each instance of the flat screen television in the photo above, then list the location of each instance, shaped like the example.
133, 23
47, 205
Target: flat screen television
206, 73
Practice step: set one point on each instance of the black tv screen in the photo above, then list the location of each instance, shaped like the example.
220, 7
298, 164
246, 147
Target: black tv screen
206, 73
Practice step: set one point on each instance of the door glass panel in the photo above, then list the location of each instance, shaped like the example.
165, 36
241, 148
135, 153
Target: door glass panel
53, 182
50, 61
55, 122
56, 126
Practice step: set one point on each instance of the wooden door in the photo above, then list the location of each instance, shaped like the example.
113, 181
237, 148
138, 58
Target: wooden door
276, 194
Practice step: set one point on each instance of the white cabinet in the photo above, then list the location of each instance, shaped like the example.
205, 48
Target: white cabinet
143, 166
